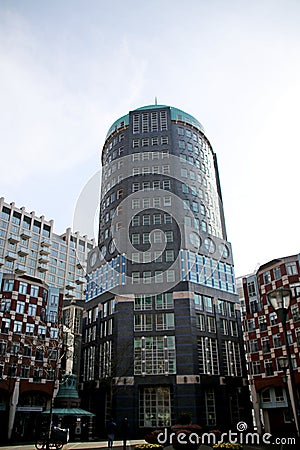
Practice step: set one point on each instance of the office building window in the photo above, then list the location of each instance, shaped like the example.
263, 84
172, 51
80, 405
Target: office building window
136, 221
20, 307
142, 302
231, 358
291, 268
17, 327
164, 301
158, 276
208, 356
154, 355
22, 288
269, 370
8, 285
155, 407
169, 236
142, 322
200, 322
262, 320
256, 368
210, 406
165, 321
135, 277
135, 238
147, 277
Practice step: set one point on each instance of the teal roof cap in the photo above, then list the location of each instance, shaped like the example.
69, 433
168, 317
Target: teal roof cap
176, 115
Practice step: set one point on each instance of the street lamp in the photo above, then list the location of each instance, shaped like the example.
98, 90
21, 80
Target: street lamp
280, 300
283, 364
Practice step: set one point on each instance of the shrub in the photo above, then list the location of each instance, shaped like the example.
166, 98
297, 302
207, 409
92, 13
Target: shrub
228, 446
148, 447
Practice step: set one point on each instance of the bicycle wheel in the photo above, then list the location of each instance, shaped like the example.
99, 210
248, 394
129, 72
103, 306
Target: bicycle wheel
41, 444
59, 445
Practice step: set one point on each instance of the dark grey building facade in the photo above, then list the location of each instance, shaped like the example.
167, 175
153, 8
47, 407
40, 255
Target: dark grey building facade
162, 332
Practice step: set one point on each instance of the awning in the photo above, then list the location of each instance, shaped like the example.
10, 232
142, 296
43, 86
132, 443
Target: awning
69, 412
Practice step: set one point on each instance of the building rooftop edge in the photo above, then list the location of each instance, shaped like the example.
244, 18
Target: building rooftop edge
175, 112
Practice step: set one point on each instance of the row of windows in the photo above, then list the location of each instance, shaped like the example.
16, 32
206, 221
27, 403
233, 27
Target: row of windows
154, 202
31, 310
154, 219
33, 243
35, 373
208, 323
164, 170
185, 173
27, 223
8, 286
205, 303
265, 343
188, 133
147, 156
148, 257
30, 328
151, 185
144, 156
163, 321
291, 269
269, 366
158, 276
160, 301
146, 122
113, 155
39, 353
145, 142
144, 238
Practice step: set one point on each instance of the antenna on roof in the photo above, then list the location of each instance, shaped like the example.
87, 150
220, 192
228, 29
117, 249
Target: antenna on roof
155, 100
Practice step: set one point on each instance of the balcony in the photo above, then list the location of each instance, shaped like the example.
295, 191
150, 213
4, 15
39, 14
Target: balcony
13, 238
70, 285
45, 251
44, 259
20, 268
11, 256
23, 251
70, 294
46, 242
42, 267
80, 280
25, 234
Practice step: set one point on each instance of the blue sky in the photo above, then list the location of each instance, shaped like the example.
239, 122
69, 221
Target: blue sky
70, 68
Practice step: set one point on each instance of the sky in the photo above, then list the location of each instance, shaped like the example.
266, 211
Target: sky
70, 68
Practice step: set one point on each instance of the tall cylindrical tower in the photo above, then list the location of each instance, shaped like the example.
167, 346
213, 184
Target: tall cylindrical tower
163, 324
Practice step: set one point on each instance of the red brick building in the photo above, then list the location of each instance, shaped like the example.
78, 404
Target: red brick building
30, 312
264, 340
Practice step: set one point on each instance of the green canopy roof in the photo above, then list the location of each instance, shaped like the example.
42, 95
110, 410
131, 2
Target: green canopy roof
69, 412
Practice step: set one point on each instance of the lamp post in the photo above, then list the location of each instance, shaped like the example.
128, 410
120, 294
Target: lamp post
280, 300
283, 364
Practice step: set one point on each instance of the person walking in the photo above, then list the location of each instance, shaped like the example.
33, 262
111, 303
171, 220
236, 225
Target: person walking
125, 431
111, 429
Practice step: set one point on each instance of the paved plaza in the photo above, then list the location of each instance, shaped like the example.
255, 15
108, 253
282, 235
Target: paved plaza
118, 445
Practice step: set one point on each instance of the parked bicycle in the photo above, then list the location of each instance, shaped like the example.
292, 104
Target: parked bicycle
58, 438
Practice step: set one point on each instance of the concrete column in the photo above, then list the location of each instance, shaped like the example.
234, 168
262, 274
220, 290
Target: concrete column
12, 407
